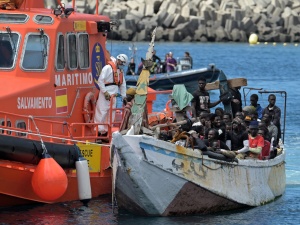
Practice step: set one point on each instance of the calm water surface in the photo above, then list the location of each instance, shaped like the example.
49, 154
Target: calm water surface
268, 66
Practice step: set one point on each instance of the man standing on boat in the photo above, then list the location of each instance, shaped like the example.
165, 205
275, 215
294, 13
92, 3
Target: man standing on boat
274, 113
189, 57
201, 101
110, 81
171, 63
258, 108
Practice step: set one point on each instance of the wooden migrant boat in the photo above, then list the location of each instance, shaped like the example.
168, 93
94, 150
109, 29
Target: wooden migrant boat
155, 177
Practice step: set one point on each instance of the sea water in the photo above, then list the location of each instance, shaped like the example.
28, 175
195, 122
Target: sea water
269, 66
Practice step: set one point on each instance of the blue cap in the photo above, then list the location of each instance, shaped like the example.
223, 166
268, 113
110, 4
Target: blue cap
253, 124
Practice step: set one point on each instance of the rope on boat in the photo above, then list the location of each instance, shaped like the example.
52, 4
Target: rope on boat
38, 133
210, 167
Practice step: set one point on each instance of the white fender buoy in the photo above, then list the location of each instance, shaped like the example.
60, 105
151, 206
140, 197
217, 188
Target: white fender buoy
83, 179
253, 39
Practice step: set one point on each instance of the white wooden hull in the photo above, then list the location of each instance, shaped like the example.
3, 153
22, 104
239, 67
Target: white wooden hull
154, 177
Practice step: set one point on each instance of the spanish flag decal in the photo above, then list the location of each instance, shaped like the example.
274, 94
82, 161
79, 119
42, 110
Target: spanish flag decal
61, 99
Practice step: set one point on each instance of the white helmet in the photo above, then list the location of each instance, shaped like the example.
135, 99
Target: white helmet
123, 58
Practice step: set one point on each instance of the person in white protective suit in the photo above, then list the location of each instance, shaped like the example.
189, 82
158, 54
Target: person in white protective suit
110, 81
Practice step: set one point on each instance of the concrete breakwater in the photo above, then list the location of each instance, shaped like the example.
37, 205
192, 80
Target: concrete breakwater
200, 20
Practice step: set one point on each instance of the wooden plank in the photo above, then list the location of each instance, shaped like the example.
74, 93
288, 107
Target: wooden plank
236, 82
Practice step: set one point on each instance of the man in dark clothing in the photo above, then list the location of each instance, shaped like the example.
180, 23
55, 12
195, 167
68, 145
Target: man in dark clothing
155, 58
201, 101
236, 102
131, 67
258, 108
274, 112
213, 143
238, 138
156, 62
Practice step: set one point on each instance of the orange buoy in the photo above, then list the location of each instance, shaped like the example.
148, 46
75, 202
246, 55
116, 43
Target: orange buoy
49, 180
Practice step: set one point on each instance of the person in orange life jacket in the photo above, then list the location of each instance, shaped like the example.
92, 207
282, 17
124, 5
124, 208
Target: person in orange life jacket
110, 81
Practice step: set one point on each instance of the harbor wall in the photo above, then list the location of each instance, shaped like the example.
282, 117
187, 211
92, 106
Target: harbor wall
200, 21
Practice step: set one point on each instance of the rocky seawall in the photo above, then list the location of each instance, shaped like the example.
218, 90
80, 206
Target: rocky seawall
200, 20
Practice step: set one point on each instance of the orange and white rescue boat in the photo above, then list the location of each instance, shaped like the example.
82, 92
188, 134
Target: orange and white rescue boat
50, 61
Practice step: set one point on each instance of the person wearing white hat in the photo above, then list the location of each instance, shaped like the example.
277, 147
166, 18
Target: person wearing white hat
110, 81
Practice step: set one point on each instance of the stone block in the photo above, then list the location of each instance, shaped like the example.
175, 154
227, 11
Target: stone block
178, 19
237, 14
276, 3
185, 11
149, 10
126, 34
159, 33
142, 9
206, 15
203, 39
267, 30
187, 39
157, 4
210, 34
284, 38
249, 3
141, 36
222, 17
134, 5
256, 18
236, 35
244, 37
172, 9
247, 23
168, 21
162, 15
270, 9
230, 25
274, 19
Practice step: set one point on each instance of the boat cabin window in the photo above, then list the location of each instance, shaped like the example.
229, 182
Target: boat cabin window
13, 18
84, 60
8, 45
41, 19
72, 51
60, 55
35, 54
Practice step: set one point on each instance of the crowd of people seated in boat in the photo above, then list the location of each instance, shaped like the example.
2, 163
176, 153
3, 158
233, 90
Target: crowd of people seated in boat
252, 133
169, 64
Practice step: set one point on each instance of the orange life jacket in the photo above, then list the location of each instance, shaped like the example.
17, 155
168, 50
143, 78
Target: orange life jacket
118, 79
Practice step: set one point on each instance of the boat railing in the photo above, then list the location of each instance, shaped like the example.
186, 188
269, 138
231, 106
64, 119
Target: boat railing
28, 126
